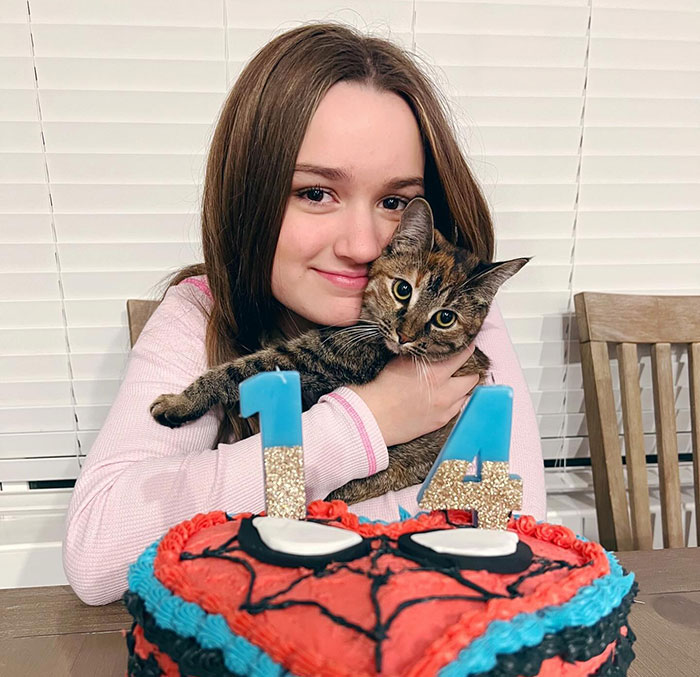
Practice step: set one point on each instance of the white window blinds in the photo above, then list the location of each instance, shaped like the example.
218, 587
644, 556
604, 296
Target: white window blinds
581, 119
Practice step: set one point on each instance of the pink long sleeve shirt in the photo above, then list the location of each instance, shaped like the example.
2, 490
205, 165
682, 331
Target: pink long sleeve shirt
140, 478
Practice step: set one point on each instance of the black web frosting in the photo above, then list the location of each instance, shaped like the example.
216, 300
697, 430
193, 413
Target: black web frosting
573, 644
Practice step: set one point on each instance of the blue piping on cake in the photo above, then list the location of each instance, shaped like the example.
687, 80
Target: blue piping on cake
586, 608
190, 620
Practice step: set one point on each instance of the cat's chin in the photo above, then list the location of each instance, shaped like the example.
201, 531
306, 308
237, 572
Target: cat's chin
394, 347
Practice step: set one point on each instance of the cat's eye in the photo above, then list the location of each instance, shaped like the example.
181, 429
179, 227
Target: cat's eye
401, 290
444, 318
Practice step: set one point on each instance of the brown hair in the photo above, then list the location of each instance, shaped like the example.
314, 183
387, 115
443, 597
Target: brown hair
251, 164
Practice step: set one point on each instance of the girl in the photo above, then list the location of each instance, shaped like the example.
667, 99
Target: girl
323, 140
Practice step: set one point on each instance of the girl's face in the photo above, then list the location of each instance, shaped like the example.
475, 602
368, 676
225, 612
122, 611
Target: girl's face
360, 163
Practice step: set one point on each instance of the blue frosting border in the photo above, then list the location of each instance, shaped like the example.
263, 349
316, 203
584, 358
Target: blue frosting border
188, 619
586, 608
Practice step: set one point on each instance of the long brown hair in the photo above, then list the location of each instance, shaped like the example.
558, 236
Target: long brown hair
251, 163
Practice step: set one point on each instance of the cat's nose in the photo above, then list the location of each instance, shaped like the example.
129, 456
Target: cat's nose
403, 338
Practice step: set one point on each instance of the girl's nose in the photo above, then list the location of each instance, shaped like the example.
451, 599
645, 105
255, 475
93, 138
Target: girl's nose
362, 238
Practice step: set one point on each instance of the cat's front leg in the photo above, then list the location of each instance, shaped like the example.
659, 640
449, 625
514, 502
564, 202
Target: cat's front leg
361, 489
396, 477
217, 385
409, 464
478, 363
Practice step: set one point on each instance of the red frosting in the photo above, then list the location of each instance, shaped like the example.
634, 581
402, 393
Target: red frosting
143, 649
423, 638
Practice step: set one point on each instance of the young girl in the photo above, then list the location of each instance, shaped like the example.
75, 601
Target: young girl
323, 140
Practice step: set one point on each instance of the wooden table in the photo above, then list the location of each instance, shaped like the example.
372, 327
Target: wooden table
48, 631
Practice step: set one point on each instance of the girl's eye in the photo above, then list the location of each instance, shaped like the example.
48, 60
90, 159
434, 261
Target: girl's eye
314, 194
444, 319
394, 202
401, 290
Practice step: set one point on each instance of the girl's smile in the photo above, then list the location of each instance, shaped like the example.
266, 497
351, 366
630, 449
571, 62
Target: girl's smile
355, 281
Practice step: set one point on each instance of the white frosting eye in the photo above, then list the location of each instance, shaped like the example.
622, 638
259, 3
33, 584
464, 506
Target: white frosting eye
469, 542
296, 537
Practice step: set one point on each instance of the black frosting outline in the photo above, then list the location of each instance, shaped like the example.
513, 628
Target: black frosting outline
137, 666
623, 655
573, 644
250, 542
578, 643
518, 561
190, 657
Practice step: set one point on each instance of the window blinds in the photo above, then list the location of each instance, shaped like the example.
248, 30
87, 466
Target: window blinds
580, 119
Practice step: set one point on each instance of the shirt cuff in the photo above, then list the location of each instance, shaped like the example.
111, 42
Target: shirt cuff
364, 422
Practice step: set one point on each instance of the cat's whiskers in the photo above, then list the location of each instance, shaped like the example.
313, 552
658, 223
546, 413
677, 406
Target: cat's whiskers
419, 367
353, 329
354, 335
425, 369
358, 321
344, 349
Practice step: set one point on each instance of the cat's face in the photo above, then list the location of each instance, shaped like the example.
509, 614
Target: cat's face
426, 296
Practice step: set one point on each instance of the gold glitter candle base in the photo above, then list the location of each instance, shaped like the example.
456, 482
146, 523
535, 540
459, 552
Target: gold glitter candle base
285, 494
493, 497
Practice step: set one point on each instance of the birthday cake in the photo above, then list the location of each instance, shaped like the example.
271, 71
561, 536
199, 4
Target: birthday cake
211, 598
461, 589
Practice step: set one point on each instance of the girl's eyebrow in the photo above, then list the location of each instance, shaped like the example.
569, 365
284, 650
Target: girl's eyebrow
338, 174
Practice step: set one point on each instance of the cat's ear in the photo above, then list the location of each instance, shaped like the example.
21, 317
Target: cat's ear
488, 277
415, 232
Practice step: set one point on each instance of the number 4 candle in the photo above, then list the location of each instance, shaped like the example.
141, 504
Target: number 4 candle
482, 432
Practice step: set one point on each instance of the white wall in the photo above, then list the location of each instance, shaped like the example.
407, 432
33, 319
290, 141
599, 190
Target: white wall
581, 119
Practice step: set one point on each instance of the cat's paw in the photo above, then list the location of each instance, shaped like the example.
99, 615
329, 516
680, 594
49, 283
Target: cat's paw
352, 492
172, 410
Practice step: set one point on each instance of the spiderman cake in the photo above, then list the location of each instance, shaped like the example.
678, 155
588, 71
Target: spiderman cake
328, 593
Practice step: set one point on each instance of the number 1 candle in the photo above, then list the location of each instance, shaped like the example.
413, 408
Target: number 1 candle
276, 397
482, 433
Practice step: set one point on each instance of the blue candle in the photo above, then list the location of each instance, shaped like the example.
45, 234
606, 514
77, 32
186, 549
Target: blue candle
276, 396
482, 431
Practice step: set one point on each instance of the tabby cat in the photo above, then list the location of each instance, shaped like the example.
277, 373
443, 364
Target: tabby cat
425, 297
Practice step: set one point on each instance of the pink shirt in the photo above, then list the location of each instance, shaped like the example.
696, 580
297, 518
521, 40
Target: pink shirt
140, 478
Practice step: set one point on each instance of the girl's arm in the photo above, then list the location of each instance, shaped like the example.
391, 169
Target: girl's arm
525, 446
140, 478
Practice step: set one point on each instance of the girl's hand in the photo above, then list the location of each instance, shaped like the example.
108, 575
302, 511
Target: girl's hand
407, 403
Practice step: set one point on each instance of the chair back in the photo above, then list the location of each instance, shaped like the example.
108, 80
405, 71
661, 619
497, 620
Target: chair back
628, 320
138, 311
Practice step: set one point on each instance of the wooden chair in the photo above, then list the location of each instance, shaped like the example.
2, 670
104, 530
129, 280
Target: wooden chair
138, 311
628, 320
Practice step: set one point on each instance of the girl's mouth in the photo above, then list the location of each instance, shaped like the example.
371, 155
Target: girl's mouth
344, 281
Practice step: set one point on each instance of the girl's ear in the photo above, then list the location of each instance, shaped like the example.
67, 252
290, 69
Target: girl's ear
415, 232
488, 277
